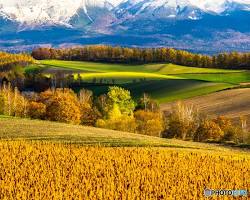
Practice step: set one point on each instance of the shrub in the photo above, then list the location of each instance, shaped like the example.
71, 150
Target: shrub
232, 134
123, 123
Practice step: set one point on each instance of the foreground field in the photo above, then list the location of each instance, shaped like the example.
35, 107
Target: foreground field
231, 103
55, 171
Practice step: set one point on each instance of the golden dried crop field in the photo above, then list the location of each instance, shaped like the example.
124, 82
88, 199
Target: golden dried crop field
38, 170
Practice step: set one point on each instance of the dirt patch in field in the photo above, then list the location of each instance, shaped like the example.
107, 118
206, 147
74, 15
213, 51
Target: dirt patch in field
231, 103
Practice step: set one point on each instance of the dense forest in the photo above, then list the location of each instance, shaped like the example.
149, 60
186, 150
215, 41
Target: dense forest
148, 55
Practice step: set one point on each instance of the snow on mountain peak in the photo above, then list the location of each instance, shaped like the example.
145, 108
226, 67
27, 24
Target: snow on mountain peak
47, 11
217, 6
60, 12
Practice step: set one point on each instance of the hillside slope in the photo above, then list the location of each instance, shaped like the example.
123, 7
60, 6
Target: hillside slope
164, 82
35, 130
231, 103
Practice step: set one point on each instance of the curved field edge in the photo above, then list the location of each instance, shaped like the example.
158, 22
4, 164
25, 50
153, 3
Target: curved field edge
15, 129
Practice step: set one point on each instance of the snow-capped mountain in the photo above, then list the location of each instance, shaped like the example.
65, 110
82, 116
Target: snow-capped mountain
178, 9
36, 12
126, 22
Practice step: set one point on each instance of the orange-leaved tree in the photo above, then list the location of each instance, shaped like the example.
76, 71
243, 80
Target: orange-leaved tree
61, 105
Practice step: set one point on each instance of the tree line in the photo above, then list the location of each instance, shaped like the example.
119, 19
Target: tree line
117, 110
100, 53
8, 61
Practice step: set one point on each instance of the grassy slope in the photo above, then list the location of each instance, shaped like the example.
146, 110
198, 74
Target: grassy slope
35, 130
171, 90
172, 69
101, 67
232, 78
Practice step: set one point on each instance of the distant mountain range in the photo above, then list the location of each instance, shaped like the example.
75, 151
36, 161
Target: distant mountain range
207, 26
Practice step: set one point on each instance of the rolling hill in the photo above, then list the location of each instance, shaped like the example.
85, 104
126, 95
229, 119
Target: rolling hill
164, 82
168, 69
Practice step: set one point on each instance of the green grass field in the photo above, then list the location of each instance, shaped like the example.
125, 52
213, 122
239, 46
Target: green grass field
101, 67
167, 90
171, 90
168, 69
165, 82
233, 78
34, 130
172, 69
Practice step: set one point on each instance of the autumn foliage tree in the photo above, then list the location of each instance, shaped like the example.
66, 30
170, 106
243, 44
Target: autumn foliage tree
118, 111
36, 110
146, 103
223, 122
8, 61
149, 123
61, 105
208, 130
12, 103
182, 121
89, 112
121, 99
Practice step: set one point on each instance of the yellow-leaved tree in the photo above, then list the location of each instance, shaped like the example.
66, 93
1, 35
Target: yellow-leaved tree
118, 111
12, 103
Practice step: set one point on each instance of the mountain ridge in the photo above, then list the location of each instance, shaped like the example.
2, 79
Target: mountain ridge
184, 24
34, 12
